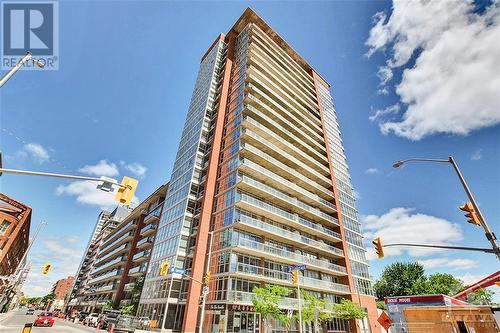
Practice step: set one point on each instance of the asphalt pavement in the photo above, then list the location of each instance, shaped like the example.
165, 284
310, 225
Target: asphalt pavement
14, 321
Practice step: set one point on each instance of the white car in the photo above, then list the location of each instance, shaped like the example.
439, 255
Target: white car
92, 319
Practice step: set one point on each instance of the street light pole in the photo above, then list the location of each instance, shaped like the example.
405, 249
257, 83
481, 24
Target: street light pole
18, 65
490, 235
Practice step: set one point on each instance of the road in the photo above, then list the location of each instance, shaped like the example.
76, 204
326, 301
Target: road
14, 323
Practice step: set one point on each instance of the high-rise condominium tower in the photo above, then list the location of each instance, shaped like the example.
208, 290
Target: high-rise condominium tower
261, 164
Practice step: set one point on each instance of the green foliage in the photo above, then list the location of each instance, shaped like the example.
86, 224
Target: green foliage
48, 298
481, 297
346, 309
129, 309
266, 300
399, 279
108, 305
381, 305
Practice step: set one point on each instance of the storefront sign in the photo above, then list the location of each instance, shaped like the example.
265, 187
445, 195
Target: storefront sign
240, 307
215, 306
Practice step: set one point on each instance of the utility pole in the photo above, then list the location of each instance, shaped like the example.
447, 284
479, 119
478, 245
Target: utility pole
18, 65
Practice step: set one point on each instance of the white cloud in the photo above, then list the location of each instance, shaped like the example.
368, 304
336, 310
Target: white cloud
393, 109
477, 155
137, 169
371, 171
453, 86
64, 256
385, 74
36, 151
454, 264
399, 225
87, 193
103, 168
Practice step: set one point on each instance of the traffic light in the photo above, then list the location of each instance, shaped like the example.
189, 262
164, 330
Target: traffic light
164, 267
124, 195
471, 213
46, 269
295, 277
378, 247
206, 278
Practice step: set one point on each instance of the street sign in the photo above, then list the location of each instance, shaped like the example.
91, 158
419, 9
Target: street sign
175, 270
384, 320
205, 291
288, 269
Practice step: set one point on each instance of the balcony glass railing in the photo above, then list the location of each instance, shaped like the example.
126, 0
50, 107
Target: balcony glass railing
117, 241
145, 241
105, 276
284, 214
147, 228
142, 254
129, 286
287, 198
285, 167
280, 253
245, 219
138, 269
108, 264
287, 156
246, 298
287, 278
111, 254
155, 213
286, 182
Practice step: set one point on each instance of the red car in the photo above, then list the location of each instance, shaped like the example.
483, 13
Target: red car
45, 319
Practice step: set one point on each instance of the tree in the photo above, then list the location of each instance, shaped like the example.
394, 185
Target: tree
266, 300
108, 305
443, 283
347, 309
481, 297
314, 308
398, 279
129, 309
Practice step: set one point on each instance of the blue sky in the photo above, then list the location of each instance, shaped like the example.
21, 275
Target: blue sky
126, 73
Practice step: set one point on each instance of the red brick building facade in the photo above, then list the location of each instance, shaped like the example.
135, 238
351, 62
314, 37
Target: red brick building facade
62, 287
15, 220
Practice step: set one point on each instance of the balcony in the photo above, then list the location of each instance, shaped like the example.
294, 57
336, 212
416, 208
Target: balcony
261, 228
264, 250
274, 195
141, 256
125, 302
122, 248
266, 146
275, 213
242, 297
279, 277
148, 230
275, 166
154, 215
145, 242
139, 270
129, 286
108, 265
105, 277
111, 246
286, 185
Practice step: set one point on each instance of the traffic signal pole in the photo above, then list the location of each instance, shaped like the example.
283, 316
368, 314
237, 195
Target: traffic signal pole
490, 235
487, 230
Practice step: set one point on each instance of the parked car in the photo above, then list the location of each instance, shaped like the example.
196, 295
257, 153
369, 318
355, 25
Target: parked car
30, 311
91, 320
45, 319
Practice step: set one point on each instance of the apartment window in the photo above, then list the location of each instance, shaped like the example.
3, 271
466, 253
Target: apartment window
3, 227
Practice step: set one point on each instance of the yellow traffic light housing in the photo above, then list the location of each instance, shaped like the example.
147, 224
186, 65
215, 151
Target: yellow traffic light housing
378, 247
46, 269
471, 214
164, 267
125, 193
206, 278
295, 277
